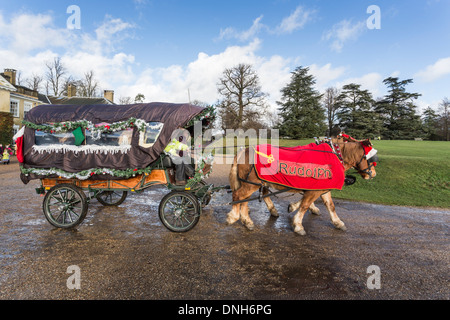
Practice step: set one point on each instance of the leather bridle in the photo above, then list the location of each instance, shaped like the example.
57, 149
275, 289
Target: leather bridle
368, 170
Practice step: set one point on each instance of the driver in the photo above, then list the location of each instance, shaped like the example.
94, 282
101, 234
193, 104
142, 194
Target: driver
178, 150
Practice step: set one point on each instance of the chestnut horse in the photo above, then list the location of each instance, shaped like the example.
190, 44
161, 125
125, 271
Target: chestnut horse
353, 156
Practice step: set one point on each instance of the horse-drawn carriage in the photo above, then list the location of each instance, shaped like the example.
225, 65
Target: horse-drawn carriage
101, 151
104, 152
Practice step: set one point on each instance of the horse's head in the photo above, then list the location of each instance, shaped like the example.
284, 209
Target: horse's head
360, 155
366, 164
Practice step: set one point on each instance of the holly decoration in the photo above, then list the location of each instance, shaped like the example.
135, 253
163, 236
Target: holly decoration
86, 174
69, 126
209, 113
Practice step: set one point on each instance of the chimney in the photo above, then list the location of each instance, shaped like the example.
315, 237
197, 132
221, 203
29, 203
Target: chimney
11, 73
71, 90
109, 94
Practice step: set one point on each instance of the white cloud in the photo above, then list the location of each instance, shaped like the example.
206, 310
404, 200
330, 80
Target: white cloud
435, 71
26, 32
297, 20
325, 74
343, 32
201, 76
28, 41
245, 35
372, 81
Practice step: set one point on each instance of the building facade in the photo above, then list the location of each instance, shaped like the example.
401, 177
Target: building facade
16, 99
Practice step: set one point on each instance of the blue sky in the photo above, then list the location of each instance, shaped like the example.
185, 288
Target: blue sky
165, 48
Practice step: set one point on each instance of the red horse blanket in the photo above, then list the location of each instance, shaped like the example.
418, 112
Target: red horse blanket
310, 167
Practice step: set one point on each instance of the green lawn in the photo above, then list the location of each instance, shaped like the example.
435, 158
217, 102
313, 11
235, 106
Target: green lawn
409, 173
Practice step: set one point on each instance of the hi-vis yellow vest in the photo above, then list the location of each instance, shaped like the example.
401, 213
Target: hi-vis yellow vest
174, 146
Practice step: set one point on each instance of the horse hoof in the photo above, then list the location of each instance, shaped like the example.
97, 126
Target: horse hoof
301, 232
290, 208
341, 226
315, 212
250, 228
274, 213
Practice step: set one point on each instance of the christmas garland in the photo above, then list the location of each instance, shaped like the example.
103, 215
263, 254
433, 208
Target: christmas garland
68, 126
85, 174
199, 173
209, 113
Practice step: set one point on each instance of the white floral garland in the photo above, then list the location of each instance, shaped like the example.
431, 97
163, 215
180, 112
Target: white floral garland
63, 148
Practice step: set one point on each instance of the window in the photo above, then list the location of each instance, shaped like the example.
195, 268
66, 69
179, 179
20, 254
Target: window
118, 138
27, 107
103, 141
46, 138
148, 137
15, 129
14, 107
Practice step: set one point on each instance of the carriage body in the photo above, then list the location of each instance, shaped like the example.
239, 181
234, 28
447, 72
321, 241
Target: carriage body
106, 152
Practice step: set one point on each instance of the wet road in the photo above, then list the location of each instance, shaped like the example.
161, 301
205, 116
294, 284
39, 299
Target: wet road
126, 253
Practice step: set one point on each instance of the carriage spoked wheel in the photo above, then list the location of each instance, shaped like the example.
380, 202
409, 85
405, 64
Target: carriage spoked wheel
111, 198
65, 206
179, 211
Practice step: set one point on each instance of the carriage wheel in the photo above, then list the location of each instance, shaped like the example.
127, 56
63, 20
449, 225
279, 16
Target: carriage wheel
179, 211
65, 206
111, 198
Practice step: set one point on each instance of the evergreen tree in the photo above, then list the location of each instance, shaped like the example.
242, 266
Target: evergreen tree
355, 113
6, 128
301, 111
430, 123
398, 111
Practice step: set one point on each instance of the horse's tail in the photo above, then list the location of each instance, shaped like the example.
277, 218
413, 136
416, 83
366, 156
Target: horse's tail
234, 174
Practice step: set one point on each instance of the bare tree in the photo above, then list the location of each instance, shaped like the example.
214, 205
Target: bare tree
243, 101
65, 85
88, 86
54, 75
34, 82
126, 100
19, 78
330, 100
444, 110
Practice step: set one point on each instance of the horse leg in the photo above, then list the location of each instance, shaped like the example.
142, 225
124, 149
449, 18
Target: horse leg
234, 214
245, 217
295, 205
314, 209
269, 203
240, 210
308, 198
244, 212
328, 201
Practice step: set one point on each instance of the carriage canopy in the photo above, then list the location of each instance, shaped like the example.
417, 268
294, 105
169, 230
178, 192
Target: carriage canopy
99, 140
